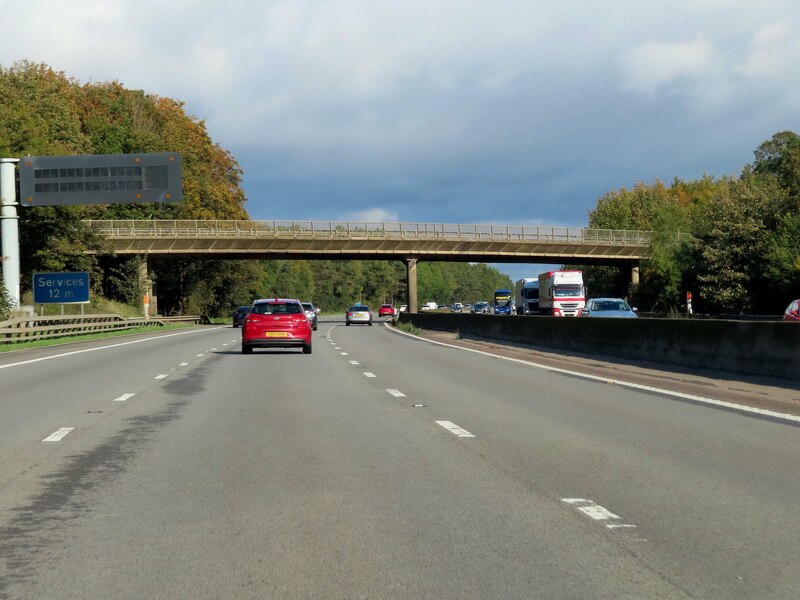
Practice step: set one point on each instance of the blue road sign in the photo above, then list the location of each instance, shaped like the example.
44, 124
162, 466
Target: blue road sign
61, 288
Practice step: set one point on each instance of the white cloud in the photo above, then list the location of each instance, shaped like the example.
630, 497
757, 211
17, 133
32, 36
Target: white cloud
774, 51
649, 67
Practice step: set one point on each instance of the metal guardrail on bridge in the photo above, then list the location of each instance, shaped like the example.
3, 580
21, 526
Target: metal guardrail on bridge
365, 230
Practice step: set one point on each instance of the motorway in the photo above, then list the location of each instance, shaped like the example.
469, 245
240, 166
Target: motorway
380, 466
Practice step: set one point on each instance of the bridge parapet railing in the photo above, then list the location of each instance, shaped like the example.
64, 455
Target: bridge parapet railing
368, 230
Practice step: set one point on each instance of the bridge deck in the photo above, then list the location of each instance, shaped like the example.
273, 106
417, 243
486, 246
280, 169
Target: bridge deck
337, 239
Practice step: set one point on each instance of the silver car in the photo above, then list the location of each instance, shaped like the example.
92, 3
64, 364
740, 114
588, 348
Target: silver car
311, 314
358, 314
608, 308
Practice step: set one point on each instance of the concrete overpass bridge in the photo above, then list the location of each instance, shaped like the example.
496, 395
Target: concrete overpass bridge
347, 240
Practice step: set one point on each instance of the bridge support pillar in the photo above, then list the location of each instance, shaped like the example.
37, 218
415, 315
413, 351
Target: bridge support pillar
411, 280
635, 275
146, 289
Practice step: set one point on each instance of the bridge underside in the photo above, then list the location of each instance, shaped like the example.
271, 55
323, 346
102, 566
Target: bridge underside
370, 249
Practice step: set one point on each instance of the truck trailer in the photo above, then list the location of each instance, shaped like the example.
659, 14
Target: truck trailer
526, 296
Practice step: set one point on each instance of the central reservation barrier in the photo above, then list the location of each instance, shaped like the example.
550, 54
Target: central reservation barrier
769, 349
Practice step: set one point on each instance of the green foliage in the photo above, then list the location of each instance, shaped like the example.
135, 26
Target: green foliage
6, 303
43, 112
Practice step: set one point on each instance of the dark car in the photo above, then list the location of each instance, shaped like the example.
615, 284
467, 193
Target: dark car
239, 315
276, 323
311, 313
792, 312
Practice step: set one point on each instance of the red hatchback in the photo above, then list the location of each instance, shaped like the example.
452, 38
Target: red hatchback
792, 312
276, 323
386, 310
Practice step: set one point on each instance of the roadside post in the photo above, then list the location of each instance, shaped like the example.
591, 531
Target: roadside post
10, 228
689, 303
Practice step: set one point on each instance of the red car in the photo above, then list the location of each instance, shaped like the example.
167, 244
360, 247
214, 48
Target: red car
276, 323
792, 312
386, 310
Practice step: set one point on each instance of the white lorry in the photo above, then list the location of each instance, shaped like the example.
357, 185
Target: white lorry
526, 296
561, 293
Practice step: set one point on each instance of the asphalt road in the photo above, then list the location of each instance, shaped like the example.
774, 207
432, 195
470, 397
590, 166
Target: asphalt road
377, 467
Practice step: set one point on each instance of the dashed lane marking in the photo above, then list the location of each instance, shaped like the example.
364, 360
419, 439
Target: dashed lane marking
58, 435
354, 362
343, 353
368, 374
455, 429
162, 376
184, 364
124, 397
396, 393
599, 513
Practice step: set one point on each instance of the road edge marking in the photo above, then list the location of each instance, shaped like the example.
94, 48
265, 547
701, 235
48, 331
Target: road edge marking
739, 408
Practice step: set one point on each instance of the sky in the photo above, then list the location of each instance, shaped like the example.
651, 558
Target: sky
444, 111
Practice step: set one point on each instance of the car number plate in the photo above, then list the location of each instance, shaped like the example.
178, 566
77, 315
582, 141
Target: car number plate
277, 334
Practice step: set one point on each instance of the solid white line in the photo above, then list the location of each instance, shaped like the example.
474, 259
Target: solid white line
354, 362
124, 397
455, 429
184, 364
36, 360
396, 393
607, 380
368, 374
162, 376
58, 435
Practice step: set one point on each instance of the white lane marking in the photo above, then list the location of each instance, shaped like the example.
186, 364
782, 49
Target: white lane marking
35, 360
336, 348
213, 349
198, 355
454, 429
354, 362
396, 393
368, 374
343, 353
124, 397
599, 513
162, 376
184, 364
648, 388
58, 435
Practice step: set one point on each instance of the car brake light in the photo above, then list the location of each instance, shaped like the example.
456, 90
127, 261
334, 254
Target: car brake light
349, 314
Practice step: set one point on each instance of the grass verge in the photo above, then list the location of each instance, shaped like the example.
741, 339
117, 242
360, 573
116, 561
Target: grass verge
10, 346
409, 328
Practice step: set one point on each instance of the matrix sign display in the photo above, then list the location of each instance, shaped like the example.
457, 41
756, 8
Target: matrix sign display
100, 179
61, 288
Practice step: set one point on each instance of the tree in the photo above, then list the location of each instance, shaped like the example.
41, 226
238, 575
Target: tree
780, 157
